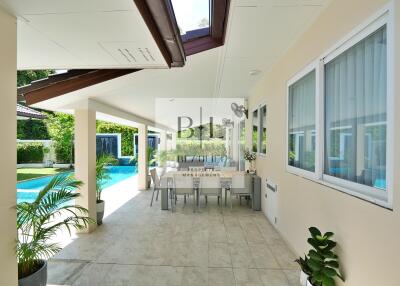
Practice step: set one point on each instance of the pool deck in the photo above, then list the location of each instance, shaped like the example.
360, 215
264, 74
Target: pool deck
142, 245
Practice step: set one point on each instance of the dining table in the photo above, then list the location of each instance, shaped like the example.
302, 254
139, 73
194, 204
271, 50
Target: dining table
226, 181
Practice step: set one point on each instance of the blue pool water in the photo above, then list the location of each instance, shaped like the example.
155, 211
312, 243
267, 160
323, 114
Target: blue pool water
32, 187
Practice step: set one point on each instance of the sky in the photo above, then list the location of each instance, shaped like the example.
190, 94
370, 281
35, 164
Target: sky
189, 13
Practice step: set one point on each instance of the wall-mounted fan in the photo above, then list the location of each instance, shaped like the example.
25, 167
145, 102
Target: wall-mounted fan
239, 110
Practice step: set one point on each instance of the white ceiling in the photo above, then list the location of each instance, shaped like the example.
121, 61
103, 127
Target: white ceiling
68, 34
259, 33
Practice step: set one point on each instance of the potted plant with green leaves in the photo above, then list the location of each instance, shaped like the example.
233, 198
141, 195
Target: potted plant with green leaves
38, 222
322, 260
305, 270
102, 176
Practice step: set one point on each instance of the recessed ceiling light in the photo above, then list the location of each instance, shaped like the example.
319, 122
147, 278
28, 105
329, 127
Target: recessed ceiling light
254, 72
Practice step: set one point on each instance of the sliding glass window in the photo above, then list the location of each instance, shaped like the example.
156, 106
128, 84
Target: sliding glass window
356, 112
255, 131
301, 123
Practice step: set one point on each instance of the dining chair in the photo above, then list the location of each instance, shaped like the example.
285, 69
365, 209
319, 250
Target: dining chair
211, 186
183, 185
156, 184
241, 186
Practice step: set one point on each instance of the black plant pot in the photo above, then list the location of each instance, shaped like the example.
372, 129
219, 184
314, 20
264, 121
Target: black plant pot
39, 278
100, 212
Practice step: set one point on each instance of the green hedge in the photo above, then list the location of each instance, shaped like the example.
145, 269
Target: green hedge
213, 147
30, 153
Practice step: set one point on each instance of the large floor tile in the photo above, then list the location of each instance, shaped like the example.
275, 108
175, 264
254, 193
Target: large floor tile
247, 277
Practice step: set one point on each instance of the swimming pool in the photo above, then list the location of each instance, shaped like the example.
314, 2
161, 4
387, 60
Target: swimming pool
28, 190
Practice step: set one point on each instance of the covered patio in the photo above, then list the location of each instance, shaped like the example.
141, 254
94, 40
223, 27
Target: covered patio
301, 96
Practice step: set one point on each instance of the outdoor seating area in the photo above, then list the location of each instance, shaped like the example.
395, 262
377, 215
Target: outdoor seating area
200, 142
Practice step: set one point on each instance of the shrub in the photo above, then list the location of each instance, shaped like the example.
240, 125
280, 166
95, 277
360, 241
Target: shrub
61, 130
30, 153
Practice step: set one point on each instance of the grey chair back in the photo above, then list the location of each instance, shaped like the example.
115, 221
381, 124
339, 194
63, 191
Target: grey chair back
155, 178
210, 185
241, 184
183, 184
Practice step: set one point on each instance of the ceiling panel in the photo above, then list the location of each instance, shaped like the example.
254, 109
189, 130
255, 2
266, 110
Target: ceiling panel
33, 43
236, 80
25, 7
81, 34
280, 26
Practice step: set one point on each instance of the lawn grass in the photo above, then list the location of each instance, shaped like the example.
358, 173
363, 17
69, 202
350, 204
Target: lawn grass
31, 173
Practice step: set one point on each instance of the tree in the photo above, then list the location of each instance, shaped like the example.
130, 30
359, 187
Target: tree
32, 129
61, 129
27, 76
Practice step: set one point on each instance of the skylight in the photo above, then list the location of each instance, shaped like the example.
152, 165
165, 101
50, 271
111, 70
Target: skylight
192, 15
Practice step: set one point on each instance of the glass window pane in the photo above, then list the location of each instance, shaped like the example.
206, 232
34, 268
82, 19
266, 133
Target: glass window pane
302, 123
355, 113
192, 15
263, 129
255, 131
242, 145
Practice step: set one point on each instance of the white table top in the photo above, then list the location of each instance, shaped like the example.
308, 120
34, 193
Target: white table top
197, 174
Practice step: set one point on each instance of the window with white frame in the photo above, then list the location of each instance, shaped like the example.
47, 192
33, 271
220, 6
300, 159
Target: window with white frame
352, 116
356, 112
259, 131
301, 123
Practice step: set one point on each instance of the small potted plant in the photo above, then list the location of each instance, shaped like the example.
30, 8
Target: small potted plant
322, 261
250, 157
38, 223
101, 178
305, 270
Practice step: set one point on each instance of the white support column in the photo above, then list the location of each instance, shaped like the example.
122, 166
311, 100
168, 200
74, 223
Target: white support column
8, 91
173, 143
85, 159
143, 168
163, 141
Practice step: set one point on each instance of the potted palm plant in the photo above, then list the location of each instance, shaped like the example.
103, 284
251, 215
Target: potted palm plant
102, 176
38, 223
322, 261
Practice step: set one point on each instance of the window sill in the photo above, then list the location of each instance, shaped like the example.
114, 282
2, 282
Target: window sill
312, 177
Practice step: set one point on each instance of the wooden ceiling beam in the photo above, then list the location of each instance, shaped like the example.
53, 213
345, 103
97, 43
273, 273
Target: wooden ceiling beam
160, 19
70, 84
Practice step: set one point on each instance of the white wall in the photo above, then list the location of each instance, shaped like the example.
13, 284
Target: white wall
8, 116
368, 235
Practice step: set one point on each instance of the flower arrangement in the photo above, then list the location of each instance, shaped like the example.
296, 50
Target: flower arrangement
249, 156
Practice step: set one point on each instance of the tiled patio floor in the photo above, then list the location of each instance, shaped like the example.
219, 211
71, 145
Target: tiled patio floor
139, 245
